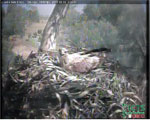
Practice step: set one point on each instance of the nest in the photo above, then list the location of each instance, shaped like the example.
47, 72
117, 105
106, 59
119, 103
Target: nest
39, 88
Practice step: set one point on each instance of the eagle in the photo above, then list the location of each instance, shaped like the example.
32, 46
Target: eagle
82, 62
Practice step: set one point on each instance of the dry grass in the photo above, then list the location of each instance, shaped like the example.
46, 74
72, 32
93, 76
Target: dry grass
23, 47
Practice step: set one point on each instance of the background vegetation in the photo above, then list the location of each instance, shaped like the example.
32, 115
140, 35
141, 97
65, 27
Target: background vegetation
119, 27
15, 18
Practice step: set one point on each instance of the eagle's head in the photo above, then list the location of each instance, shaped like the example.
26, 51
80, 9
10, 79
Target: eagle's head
63, 51
63, 56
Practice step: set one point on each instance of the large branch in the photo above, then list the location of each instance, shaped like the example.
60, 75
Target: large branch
50, 32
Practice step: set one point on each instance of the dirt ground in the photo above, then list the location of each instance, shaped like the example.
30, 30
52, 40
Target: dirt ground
23, 47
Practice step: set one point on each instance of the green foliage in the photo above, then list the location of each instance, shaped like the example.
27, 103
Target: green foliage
92, 12
39, 31
15, 18
14, 21
71, 18
130, 22
119, 27
92, 34
89, 33
40, 38
34, 34
33, 15
35, 39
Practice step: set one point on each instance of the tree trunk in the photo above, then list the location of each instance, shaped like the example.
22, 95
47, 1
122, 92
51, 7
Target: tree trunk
51, 30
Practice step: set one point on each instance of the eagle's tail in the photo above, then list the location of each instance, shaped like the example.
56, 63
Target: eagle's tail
97, 50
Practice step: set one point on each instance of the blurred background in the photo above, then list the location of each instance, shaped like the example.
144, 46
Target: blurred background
121, 27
